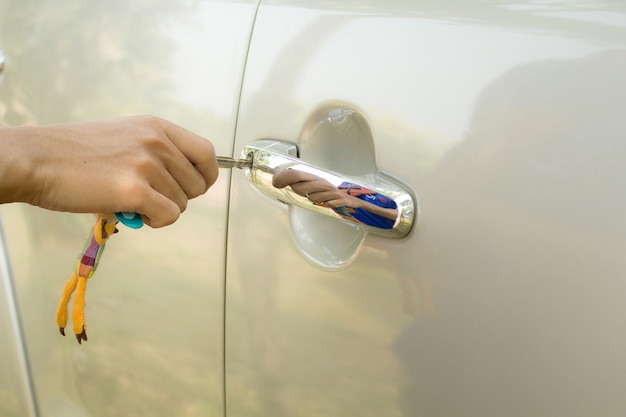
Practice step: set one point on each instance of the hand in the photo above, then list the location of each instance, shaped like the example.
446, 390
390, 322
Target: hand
325, 194
315, 188
137, 164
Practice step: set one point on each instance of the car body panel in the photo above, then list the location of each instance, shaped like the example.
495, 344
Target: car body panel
155, 306
507, 121
15, 384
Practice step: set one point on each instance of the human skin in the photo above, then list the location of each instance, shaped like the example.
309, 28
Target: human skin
141, 164
320, 191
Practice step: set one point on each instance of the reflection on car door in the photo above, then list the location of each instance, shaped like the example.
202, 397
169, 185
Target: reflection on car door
506, 299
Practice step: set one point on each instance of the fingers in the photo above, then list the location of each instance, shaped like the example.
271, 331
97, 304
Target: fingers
286, 177
197, 150
162, 212
332, 199
189, 168
316, 189
303, 183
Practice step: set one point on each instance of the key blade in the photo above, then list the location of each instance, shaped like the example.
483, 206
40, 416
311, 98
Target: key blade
228, 162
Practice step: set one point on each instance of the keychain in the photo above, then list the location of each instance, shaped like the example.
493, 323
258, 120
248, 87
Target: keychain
86, 266
84, 269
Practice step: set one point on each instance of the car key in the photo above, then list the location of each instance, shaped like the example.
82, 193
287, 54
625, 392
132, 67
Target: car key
135, 221
228, 162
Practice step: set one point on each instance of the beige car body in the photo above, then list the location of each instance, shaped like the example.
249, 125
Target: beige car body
504, 121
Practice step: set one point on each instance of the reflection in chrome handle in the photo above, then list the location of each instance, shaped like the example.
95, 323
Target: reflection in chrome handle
378, 203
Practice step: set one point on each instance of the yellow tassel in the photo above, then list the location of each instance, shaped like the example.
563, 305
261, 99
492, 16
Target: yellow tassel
78, 315
69, 288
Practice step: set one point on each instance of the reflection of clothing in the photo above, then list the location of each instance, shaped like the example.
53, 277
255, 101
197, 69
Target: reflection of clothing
362, 215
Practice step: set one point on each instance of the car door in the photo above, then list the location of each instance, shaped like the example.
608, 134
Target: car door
155, 306
505, 121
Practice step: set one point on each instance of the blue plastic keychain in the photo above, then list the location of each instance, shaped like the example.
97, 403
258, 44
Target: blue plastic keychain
132, 220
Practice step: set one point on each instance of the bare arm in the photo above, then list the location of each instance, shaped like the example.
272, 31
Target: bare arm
137, 164
318, 190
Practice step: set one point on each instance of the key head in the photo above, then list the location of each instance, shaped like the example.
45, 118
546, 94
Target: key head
132, 220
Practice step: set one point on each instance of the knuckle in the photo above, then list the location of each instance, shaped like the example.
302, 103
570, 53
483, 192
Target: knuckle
131, 192
169, 217
144, 163
196, 189
150, 120
209, 149
168, 214
153, 141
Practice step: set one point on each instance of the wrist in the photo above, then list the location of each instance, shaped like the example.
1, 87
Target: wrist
18, 166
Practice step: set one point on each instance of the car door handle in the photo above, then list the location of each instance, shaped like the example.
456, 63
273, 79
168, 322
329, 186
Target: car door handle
377, 203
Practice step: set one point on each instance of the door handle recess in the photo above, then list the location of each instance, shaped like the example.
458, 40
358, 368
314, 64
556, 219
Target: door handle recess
377, 203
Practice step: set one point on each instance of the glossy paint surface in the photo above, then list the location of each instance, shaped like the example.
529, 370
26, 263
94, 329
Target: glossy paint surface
154, 308
507, 120
15, 388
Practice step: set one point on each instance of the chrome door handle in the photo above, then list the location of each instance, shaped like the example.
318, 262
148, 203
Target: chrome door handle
377, 203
